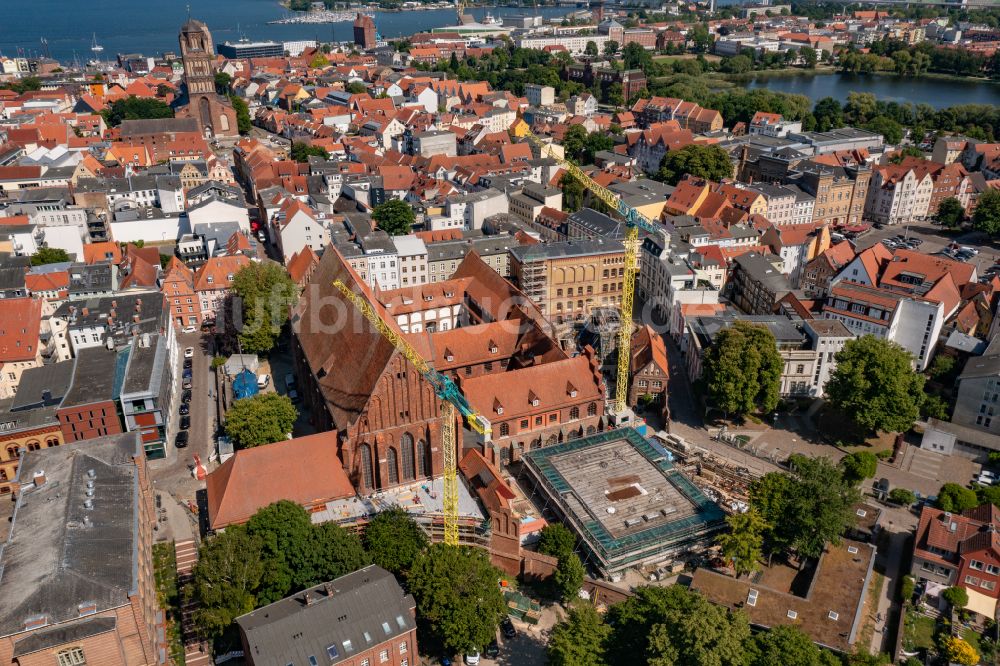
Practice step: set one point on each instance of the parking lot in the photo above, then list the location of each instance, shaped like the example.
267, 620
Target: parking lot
935, 239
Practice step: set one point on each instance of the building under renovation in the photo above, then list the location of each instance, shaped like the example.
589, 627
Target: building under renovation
621, 496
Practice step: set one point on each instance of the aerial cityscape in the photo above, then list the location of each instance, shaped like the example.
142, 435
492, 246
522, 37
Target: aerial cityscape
575, 333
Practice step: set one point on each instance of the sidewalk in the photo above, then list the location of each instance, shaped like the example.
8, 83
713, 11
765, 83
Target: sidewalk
196, 651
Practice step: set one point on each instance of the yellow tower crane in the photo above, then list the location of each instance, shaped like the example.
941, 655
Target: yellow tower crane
634, 220
451, 399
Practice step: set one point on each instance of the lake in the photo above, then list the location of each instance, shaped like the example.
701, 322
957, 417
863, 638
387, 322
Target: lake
939, 93
128, 26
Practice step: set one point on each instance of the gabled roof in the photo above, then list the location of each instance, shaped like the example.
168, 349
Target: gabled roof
301, 263
304, 470
215, 273
20, 323
648, 347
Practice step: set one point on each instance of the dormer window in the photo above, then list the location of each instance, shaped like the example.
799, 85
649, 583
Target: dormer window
533, 398
570, 389
210, 279
448, 356
493, 347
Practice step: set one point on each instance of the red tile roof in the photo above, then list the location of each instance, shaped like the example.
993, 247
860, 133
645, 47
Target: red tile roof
218, 269
20, 322
304, 470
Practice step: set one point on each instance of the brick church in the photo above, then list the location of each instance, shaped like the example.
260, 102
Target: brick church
215, 115
488, 336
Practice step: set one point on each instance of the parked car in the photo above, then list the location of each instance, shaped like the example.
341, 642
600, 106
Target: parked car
185, 422
293, 395
472, 657
189, 352
263, 381
289, 381
186, 396
187, 373
187, 363
492, 650
189, 329
181, 440
185, 409
507, 627
187, 383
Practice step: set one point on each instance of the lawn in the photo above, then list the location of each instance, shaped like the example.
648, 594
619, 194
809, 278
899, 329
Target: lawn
919, 631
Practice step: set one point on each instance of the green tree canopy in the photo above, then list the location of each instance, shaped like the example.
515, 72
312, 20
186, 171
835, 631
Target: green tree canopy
243, 123
875, 386
887, 127
829, 114
859, 466
986, 218
699, 635
955, 498
633, 620
136, 108
568, 577
49, 255
261, 419
301, 151
394, 540
395, 217
611, 47
902, 496
950, 213
591, 48
579, 639
807, 508
266, 294
222, 83
229, 572
743, 544
742, 369
738, 64
956, 596
457, 595
702, 161
556, 540
357, 88
785, 645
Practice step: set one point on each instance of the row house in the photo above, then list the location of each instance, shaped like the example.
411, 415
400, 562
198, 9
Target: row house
840, 192
296, 226
900, 194
797, 246
786, 204
688, 114
960, 550
213, 282
20, 343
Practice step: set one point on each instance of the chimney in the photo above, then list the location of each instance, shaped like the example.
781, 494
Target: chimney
328, 589
85, 312
39, 478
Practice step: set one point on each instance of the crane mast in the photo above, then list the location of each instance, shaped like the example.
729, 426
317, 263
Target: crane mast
634, 220
451, 400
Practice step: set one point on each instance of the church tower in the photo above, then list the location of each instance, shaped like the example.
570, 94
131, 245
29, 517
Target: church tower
214, 113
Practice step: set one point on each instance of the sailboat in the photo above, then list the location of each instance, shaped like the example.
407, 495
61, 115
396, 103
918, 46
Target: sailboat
95, 47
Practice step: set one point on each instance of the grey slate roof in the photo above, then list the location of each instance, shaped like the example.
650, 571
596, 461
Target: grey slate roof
59, 553
344, 617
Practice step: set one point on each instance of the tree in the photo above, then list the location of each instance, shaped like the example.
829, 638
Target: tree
806, 509
904, 152
906, 587
222, 83
319, 61
635, 56
744, 542
395, 217
49, 255
568, 577
993, 457
950, 213
784, 645
573, 192
902, 496
702, 634
955, 498
261, 419
742, 370
887, 127
457, 595
702, 161
579, 639
700, 37
556, 540
859, 466
301, 152
611, 47
299, 554
959, 651
987, 215
956, 596
243, 122
357, 88
875, 386
226, 578
394, 540
136, 108
829, 114
738, 64
262, 296
809, 57
591, 48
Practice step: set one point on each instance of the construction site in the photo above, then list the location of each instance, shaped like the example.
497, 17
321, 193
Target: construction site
621, 495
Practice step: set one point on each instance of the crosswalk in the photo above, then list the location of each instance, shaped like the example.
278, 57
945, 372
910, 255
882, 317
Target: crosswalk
196, 651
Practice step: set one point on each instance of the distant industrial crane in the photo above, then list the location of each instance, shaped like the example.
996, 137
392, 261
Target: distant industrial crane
634, 220
451, 399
